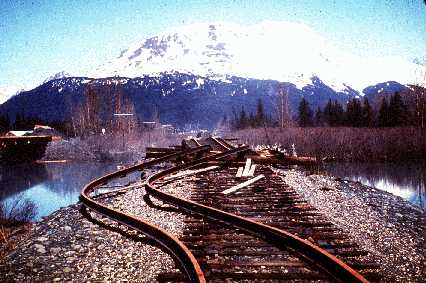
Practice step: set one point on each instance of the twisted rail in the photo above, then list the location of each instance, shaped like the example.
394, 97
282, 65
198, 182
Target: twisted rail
317, 256
175, 247
331, 265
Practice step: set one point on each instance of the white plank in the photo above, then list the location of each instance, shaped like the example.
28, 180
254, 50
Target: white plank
242, 185
190, 172
239, 172
247, 167
251, 172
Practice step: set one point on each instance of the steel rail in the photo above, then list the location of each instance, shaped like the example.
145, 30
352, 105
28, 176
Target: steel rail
225, 142
313, 254
197, 143
170, 243
218, 142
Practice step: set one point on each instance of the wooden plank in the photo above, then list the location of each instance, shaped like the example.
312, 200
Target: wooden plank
191, 172
251, 172
247, 167
239, 172
242, 185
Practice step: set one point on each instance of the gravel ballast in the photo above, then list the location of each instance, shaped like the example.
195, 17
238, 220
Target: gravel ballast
390, 228
70, 246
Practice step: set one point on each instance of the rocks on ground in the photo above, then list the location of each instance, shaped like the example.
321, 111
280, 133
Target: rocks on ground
68, 246
390, 228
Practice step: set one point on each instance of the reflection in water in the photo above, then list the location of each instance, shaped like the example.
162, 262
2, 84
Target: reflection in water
49, 186
20, 177
404, 180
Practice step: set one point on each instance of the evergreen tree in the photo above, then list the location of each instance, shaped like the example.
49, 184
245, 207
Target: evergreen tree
319, 119
235, 120
305, 114
338, 114
354, 113
260, 114
384, 113
242, 121
19, 124
4, 124
397, 111
367, 114
328, 113
225, 120
252, 122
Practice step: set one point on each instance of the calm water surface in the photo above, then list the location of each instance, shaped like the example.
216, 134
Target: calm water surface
406, 180
49, 186
55, 185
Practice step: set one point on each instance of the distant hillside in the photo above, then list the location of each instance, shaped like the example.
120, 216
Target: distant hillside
180, 99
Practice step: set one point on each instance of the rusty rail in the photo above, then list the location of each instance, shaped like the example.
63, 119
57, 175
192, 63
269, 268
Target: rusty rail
327, 262
175, 247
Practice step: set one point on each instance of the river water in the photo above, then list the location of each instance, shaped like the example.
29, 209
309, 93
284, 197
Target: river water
50, 186
407, 180
54, 185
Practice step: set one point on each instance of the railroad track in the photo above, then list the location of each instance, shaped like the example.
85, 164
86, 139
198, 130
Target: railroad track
263, 233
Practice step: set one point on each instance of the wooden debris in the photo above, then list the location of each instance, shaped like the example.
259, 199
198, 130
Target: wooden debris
242, 185
191, 172
251, 172
239, 172
247, 167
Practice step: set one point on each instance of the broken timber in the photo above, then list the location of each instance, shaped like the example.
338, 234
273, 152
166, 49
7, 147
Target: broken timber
242, 185
263, 156
192, 172
247, 170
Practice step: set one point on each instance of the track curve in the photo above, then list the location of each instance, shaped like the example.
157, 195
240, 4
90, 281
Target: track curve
311, 253
181, 253
327, 262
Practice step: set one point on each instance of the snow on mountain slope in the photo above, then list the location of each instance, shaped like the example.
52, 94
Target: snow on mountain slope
56, 76
281, 51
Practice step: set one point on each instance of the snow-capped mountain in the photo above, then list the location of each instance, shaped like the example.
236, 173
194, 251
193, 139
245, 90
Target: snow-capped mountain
283, 51
56, 76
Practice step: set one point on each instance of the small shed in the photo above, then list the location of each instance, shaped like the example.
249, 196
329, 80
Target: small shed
42, 130
19, 133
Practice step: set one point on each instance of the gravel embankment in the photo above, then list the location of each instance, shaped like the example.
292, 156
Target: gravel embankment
66, 246
393, 230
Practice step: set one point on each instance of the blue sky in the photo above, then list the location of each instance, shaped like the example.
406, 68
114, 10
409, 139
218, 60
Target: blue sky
39, 38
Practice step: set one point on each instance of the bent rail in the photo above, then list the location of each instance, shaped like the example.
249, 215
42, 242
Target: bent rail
328, 263
175, 247
317, 256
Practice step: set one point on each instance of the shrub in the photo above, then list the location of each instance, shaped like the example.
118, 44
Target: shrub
344, 143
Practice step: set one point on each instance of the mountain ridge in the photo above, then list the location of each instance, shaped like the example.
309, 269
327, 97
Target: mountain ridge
281, 51
180, 99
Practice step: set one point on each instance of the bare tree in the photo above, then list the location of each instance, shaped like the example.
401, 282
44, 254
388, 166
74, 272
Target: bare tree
123, 105
419, 89
96, 112
282, 106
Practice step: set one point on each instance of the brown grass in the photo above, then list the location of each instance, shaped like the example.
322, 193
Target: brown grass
345, 143
15, 221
